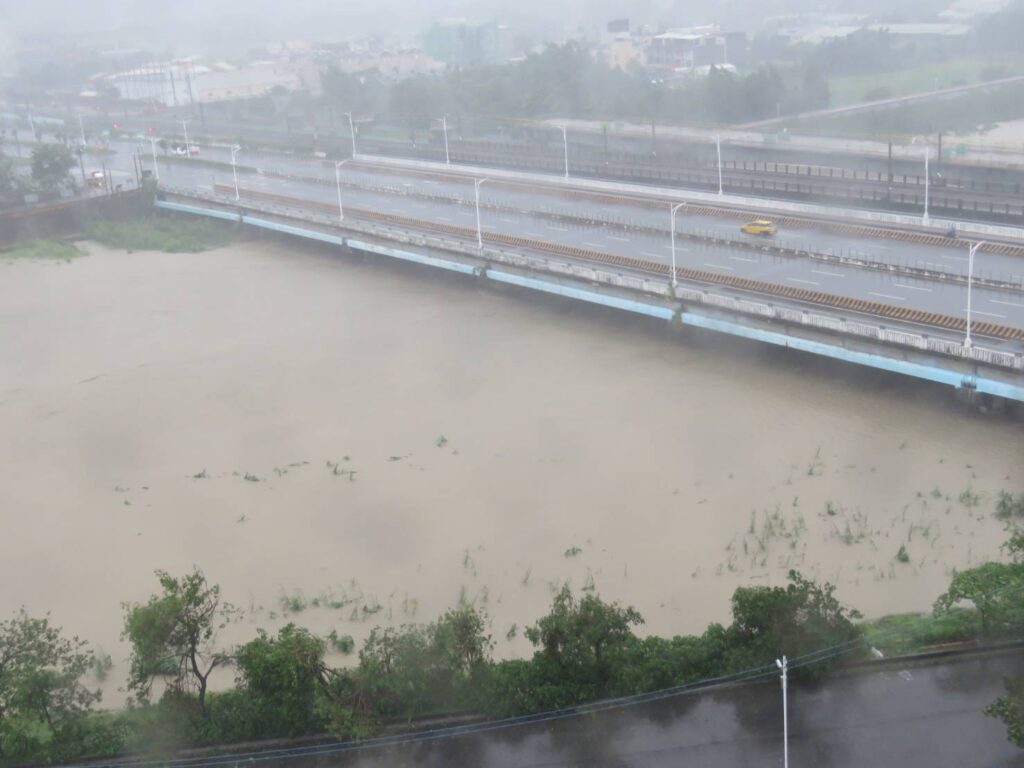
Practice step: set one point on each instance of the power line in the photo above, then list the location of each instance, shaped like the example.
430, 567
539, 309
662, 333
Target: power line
437, 734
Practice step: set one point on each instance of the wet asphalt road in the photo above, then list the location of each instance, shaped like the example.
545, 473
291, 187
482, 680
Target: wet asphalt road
923, 717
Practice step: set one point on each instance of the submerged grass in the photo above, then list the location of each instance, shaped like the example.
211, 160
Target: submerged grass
171, 234
51, 250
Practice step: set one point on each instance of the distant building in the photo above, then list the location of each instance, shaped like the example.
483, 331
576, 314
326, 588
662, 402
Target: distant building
623, 54
690, 49
186, 82
396, 64
458, 43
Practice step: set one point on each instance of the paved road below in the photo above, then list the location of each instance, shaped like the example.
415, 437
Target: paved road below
926, 716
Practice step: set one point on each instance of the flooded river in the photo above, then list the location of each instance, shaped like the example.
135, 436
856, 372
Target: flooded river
345, 444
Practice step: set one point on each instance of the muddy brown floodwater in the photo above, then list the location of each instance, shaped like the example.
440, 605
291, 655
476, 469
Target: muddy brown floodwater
411, 440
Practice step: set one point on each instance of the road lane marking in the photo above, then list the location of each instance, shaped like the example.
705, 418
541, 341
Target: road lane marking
657, 256
886, 296
911, 287
979, 312
827, 274
678, 248
1006, 303
557, 229
620, 239
510, 221
439, 218
718, 266
533, 234
740, 258
954, 258
595, 245
798, 280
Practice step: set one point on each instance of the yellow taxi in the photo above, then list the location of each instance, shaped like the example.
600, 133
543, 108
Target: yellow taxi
759, 227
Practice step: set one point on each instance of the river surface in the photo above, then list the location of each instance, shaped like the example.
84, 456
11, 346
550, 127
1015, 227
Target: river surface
377, 443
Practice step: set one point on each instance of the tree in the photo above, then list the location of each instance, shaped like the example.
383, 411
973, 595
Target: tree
284, 676
997, 591
42, 698
51, 164
173, 636
578, 640
1010, 709
801, 618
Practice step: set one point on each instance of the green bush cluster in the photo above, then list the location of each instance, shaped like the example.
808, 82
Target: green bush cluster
585, 649
173, 234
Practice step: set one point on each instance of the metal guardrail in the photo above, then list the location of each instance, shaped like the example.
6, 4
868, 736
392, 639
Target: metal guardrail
659, 286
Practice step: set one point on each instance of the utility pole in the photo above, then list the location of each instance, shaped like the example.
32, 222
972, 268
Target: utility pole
673, 230
352, 133
970, 284
479, 232
337, 182
156, 168
447, 157
184, 128
234, 168
565, 147
718, 146
924, 219
784, 667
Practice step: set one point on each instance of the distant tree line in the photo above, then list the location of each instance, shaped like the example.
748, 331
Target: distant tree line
569, 81
586, 649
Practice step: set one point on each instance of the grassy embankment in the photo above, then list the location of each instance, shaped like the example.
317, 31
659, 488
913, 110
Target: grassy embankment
152, 232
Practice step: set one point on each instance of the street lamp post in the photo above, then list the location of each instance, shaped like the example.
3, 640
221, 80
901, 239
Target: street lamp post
234, 168
970, 284
156, 168
184, 128
352, 133
565, 147
444, 125
81, 130
783, 665
924, 218
479, 232
337, 182
718, 148
673, 230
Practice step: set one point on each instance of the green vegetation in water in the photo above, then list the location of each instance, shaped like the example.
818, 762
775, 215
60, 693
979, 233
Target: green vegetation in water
172, 234
902, 555
40, 250
343, 644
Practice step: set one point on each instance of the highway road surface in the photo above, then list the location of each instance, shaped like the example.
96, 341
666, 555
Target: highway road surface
409, 197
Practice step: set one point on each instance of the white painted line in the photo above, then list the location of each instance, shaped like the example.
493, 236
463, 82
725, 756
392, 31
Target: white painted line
679, 248
798, 280
979, 312
657, 256
886, 296
596, 245
719, 266
510, 221
533, 234
740, 258
954, 258
557, 229
439, 218
1005, 303
911, 287
827, 274
620, 239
